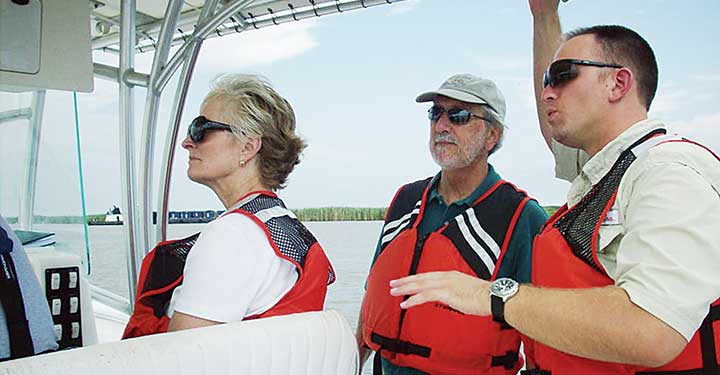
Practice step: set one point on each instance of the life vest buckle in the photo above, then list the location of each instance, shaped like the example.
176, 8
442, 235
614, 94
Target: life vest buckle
508, 360
535, 371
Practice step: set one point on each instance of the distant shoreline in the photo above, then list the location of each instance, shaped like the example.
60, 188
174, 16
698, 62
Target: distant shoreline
303, 214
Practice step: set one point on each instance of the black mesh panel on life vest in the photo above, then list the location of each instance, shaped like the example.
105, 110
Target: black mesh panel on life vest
577, 226
262, 202
169, 262
292, 238
167, 266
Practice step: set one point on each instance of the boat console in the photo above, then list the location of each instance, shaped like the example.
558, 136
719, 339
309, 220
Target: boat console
62, 278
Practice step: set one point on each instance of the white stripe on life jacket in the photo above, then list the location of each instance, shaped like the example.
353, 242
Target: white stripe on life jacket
241, 203
274, 212
474, 244
392, 228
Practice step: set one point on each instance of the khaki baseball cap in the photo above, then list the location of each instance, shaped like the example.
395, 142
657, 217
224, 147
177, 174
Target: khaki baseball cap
471, 89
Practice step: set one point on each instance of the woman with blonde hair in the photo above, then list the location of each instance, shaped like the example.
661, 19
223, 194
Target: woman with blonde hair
256, 260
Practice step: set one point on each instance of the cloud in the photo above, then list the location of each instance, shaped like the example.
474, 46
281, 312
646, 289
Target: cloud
686, 100
703, 128
258, 47
711, 120
669, 100
705, 77
505, 64
403, 7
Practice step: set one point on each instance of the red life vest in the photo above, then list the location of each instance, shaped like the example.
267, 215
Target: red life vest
162, 268
565, 256
434, 338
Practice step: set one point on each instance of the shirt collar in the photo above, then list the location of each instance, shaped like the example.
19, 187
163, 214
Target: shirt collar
599, 165
491, 179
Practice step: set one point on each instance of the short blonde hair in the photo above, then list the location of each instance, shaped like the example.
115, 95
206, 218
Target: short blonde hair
255, 110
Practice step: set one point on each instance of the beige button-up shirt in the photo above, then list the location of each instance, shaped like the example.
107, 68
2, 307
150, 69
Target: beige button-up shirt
662, 244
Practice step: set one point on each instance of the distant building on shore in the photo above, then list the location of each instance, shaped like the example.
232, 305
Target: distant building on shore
114, 217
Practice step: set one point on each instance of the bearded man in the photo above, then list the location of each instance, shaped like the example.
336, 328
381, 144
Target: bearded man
466, 218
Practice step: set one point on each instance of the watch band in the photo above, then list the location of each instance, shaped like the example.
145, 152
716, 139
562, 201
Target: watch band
497, 307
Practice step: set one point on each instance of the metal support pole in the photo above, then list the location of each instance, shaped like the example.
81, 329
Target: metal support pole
112, 74
176, 116
152, 101
15, 114
127, 145
27, 200
207, 22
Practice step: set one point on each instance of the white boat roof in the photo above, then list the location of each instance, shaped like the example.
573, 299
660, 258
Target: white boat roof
105, 17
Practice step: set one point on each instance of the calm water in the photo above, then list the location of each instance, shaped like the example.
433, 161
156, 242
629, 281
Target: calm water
349, 245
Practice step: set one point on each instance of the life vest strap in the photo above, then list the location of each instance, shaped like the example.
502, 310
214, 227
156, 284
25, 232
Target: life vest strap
535, 371
21, 344
399, 346
377, 364
707, 341
508, 360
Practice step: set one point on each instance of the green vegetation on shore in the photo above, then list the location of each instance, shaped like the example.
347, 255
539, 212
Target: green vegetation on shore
551, 209
40, 219
303, 214
340, 214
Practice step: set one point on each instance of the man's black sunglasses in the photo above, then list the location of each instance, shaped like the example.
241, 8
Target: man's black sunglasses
200, 124
457, 116
563, 71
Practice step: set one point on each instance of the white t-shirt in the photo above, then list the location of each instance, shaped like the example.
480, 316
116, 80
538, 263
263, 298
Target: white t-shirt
232, 272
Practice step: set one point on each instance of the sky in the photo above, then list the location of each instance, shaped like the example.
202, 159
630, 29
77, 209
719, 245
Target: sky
352, 80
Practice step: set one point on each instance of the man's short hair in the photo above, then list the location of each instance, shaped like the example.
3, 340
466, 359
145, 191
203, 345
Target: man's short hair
625, 47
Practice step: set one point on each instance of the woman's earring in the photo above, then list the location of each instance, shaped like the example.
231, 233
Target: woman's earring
242, 163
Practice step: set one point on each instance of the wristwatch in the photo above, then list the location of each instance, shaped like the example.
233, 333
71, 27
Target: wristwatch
501, 290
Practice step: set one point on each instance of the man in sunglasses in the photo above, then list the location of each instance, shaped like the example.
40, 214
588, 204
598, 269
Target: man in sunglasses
625, 275
465, 218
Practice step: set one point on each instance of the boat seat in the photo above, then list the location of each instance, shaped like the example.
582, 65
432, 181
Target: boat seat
317, 343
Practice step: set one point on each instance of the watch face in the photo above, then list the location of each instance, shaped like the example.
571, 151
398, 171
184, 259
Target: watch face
503, 287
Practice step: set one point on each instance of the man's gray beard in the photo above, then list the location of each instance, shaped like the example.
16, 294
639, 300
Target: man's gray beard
462, 159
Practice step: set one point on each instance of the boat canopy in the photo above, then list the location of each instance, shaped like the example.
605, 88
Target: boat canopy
248, 15
58, 55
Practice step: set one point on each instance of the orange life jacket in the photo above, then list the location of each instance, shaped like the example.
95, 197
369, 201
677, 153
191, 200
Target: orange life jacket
162, 268
433, 337
565, 256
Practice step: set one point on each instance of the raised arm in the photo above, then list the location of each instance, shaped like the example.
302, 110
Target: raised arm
546, 40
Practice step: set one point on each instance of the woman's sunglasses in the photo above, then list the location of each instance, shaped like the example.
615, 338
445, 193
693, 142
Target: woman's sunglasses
561, 72
457, 116
200, 124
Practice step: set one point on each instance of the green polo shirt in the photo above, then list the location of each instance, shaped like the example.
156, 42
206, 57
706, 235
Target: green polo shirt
518, 258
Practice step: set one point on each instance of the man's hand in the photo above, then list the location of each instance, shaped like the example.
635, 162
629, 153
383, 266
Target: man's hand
460, 291
542, 7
